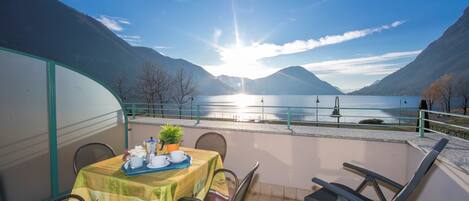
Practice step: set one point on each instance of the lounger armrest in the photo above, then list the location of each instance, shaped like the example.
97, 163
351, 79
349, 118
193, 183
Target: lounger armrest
337, 190
223, 170
374, 175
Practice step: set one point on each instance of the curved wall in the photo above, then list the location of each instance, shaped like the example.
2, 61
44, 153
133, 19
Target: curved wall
85, 111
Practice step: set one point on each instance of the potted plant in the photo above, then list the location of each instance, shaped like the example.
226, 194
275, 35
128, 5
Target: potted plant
171, 136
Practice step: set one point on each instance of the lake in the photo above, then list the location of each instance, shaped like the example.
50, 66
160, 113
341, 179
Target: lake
353, 108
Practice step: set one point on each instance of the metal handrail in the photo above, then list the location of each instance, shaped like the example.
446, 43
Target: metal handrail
422, 121
257, 113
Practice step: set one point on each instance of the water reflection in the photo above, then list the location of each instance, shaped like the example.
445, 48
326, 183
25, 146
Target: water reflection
242, 107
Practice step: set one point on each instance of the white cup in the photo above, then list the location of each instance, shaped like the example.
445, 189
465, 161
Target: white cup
158, 161
177, 156
136, 162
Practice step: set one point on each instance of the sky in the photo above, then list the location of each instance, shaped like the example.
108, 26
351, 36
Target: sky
350, 44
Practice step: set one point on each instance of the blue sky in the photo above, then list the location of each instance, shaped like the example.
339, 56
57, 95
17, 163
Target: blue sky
350, 44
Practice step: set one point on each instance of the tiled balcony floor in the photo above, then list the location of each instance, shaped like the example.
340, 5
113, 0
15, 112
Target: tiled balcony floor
253, 196
271, 192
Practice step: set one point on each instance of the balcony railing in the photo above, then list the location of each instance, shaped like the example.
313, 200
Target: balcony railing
399, 118
444, 123
406, 118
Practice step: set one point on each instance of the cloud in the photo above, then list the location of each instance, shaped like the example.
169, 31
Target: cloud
264, 50
162, 47
113, 23
216, 35
245, 60
373, 65
132, 39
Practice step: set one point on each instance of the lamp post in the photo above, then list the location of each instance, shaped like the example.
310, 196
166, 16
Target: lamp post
400, 108
317, 103
262, 102
192, 99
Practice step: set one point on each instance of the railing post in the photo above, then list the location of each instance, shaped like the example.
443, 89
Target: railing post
198, 114
421, 123
288, 118
52, 120
133, 111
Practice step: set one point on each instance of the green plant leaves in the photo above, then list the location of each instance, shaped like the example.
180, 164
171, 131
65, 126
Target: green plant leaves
171, 134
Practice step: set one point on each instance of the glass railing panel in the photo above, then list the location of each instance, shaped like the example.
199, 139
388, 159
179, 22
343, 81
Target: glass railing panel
24, 136
86, 112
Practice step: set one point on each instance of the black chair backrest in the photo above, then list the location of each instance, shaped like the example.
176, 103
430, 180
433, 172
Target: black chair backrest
423, 168
91, 153
70, 197
243, 187
212, 141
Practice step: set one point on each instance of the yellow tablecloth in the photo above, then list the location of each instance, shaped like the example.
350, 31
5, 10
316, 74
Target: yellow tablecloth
105, 181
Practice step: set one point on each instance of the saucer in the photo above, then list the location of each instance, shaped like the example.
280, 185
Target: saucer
166, 163
183, 159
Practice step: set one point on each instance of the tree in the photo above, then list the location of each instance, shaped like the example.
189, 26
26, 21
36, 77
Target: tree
163, 83
122, 88
146, 85
445, 88
462, 89
183, 89
430, 94
153, 85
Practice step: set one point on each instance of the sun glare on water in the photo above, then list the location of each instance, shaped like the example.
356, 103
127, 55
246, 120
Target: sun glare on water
242, 101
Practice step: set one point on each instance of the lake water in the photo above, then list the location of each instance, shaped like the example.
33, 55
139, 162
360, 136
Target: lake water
303, 107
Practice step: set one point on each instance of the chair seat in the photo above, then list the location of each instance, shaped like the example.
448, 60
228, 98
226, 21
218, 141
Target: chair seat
326, 195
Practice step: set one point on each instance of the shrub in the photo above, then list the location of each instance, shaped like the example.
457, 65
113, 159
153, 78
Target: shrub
371, 121
171, 134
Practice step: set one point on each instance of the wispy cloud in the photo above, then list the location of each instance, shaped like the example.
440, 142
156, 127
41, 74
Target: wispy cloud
132, 39
373, 65
246, 60
264, 50
162, 47
113, 23
216, 35
116, 24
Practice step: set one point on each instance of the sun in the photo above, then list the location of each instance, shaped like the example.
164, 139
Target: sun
241, 61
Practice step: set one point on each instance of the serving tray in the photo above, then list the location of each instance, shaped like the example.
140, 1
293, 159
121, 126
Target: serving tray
144, 169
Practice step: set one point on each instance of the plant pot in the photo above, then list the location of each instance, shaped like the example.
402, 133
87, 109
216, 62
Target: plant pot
172, 147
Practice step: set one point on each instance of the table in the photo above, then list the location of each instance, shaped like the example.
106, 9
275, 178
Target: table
105, 181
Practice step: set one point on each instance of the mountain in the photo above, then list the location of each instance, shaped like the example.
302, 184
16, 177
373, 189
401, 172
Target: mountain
53, 30
237, 83
293, 80
207, 84
449, 54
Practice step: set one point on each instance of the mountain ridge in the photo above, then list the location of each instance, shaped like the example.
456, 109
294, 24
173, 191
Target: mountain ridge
53, 30
449, 54
292, 80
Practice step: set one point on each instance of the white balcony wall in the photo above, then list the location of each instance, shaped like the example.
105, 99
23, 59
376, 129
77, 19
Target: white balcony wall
292, 161
86, 112
24, 135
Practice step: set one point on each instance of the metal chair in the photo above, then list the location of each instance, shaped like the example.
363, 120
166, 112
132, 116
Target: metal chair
212, 141
91, 153
335, 191
239, 193
69, 196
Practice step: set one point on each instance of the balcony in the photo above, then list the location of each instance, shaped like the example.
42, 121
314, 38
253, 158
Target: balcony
289, 158
51, 109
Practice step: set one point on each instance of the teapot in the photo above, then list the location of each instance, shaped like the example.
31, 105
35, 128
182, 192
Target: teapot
153, 145
150, 145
